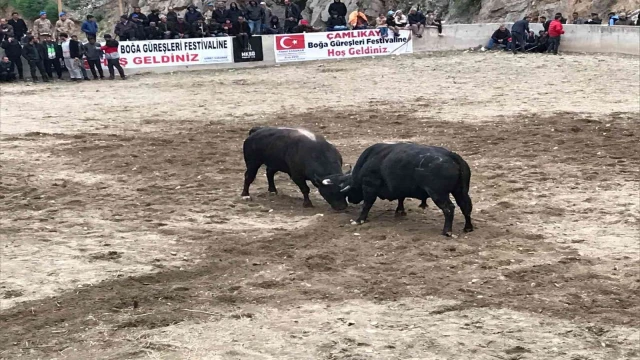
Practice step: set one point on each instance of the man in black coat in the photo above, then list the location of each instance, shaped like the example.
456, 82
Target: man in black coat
242, 32
6, 70
31, 52
13, 50
518, 32
338, 8
19, 26
138, 14
292, 16
154, 16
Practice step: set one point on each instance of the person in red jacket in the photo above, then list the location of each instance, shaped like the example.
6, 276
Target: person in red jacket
555, 30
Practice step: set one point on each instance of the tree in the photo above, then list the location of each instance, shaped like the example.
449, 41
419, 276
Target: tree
30, 9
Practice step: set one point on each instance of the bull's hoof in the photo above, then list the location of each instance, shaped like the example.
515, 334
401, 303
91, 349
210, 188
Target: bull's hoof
357, 222
468, 229
447, 233
273, 192
401, 213
307, 204
246, 197
423, 206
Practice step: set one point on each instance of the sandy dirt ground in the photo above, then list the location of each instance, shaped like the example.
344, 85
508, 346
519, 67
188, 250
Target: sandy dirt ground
123, 234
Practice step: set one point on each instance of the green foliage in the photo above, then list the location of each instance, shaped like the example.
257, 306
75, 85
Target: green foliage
30, 9
467, 7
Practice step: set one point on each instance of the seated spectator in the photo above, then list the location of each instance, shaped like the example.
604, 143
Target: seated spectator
273, 27
227, 27
172, 16
139, 16
90, 27
292, 16
216, 29
338, 8
401, 20
417, 22
624, 20
304, 27
154, 16
199, 29
613, 18
577, 20
233, 13
181, 29
139, 27
6, 70
530, 41
381, 25
242, 32
594, 19
433, 20
219, 13
336, 23
192, 15
542, 44
152, 32
164, 27
358, 20
125, 29
391, 23
500, 37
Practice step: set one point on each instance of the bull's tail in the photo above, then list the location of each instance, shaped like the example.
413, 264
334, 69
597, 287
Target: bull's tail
465, 172
254, 129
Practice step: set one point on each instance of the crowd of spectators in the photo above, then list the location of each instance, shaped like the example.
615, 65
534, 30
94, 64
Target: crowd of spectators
547, 40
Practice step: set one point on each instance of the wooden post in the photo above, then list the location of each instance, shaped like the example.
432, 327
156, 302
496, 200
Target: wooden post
119, 7
59, 6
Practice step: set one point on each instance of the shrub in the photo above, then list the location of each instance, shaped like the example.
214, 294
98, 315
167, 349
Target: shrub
30, 9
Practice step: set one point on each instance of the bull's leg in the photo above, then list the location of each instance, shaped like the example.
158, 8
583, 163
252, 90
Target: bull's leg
370, 196
444, 203
302, 184
249, 176
464, 202
272, 185
423, 204
400, 209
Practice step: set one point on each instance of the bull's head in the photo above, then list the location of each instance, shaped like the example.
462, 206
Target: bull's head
334, 189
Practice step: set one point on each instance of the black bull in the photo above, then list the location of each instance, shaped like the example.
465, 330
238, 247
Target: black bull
405, 170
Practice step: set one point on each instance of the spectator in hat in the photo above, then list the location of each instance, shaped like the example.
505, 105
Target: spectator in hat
142, 18
94, 54
242, 32
112, 54
139, 27
208, 12
401, 20
154, 17
164, 27
594, 19
417, 22
13, 50
6, 70
65, 25
273, 27
339, 8
125, 29
52, 55
391, 23
292, 16
267, 15
192, 15
31, 53
19, 26
624, 20
90, 27
42, 25
233, 13
358, 20
336, 23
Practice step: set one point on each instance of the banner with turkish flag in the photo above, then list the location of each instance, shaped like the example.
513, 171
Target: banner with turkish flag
340, 44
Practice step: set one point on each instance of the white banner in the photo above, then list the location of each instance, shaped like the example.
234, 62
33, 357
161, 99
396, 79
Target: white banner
340, 44
153, 53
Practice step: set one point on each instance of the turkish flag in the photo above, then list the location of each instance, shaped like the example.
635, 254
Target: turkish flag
290, 42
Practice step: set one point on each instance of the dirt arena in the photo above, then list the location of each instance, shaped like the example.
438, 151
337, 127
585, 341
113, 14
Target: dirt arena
124, 235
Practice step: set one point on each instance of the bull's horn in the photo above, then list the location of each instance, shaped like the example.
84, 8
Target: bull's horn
346, 188
326, 182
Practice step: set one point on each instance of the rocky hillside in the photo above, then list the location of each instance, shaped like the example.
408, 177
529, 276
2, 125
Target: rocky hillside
453, 11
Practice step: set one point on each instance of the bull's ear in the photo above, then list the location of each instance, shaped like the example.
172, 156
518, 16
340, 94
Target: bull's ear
316, 181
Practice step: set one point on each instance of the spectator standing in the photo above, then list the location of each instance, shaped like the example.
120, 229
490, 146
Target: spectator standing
31, 53
577, 20
518, 31
75, 42
594, 19
267, 15
154, 17
52, 55
219, 14
19, 26
555, 31
624, 20
6, 70
545, 24
112, 55
254, 15
90, 27
417, 22
339, 8
125, 29
242, 32
433, 20
13, 50
172, 16
358, 20
42, 25
274, 26
336, 23
6, 30
500, 37
94, 54
192, 15
65, 25
71, 54
137, 12
233, 13
292, 16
